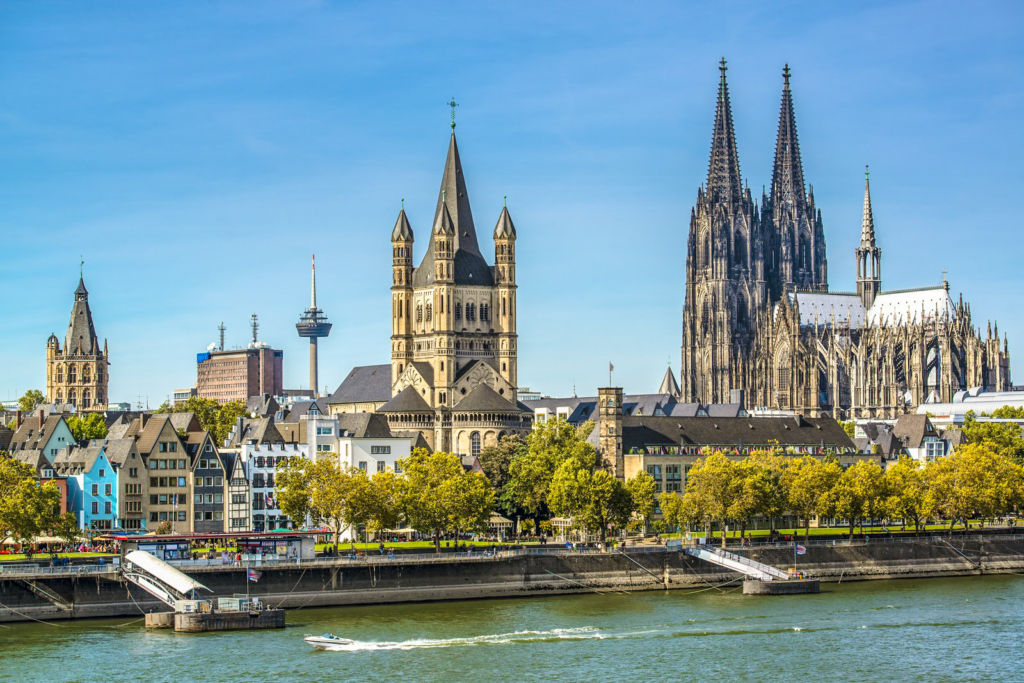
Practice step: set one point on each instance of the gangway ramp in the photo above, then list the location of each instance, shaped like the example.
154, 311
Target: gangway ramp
738, 563
159, 579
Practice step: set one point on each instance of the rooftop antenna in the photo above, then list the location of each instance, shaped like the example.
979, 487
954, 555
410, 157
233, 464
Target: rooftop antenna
221, 328
255, 327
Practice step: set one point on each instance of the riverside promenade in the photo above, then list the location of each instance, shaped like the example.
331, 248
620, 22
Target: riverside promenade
84, 591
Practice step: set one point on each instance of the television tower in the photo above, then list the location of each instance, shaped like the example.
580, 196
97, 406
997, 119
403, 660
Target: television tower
313, 324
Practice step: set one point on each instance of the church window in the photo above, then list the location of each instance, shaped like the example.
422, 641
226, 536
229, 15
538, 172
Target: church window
86, 397
85, 373
72, 397
72, 374
458, 311
429, 311
60, 397
470, 312
419, 313
60, 373
485, 312
503, 306
474, 443
740, 250
783, 379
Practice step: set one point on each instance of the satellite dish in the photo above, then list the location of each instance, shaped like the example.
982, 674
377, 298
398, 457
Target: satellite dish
211, 347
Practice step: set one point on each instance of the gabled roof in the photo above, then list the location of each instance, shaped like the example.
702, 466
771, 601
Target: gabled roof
300, 409
78, 459
257, 430
912, 429
732, 431
407, 401
415, 436
364, 425
119, 451
364, 384
426, 371
150, 432
185, 422
483, 398
35, 431
261, 406
34, 458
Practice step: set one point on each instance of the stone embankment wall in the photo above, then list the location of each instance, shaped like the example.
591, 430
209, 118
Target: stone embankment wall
332, 583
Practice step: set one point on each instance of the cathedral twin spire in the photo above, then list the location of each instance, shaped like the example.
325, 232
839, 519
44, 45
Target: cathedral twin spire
724, 166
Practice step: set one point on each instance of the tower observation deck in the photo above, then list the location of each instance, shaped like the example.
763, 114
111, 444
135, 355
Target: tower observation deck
314, 325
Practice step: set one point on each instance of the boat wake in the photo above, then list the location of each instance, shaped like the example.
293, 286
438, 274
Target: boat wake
557, 634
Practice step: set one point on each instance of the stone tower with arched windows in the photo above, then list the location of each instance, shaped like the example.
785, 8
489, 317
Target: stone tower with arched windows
77, 373
453, 327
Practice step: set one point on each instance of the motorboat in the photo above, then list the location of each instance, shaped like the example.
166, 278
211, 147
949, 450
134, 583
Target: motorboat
327, 641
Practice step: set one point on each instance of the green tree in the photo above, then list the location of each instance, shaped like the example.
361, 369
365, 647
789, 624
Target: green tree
32, 398
547, 446
608, 503
87, 426
679, 511
643, 491
1005, 438
906, 492
227, 417
713, 488
440, 496
859, 493
65, 528
849, 427
292, 488
27, 508
387, 491
807, 482
975, 479
497, 459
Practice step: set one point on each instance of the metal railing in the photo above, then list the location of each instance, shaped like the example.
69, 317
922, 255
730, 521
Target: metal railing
16, 571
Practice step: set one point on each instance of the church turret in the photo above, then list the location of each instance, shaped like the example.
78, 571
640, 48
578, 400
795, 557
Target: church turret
401, 294
77, 374
505, 303
869, 256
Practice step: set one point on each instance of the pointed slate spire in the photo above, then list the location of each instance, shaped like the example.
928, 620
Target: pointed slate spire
81, 334
724, 166
668, 383
504, 228
867, 225
402, 231
454, 196
788, 174
443, 224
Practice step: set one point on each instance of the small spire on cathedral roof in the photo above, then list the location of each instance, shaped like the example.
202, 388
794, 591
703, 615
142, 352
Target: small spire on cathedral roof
724, 166
402, 231
504, 229
867, 227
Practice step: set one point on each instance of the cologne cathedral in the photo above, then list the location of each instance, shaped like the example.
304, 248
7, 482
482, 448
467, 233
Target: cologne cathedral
758, 316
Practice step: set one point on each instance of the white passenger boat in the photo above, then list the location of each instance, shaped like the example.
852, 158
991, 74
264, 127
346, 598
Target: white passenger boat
327, 641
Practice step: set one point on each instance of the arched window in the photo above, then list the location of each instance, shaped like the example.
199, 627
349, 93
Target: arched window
72, 375
430, 310
419, 313
474, 443
86, 398
86, 373
805, 252
60, 372
72, 397
739, 250
704, 251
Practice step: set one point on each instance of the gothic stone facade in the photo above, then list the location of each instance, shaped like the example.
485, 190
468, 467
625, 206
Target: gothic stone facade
758, 314
77, 373
453, 341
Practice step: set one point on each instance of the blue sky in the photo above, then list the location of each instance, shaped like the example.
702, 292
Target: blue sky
196, 154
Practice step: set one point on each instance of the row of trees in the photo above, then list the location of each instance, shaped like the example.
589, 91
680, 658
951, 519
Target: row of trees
435, 495
974, 480
555, 471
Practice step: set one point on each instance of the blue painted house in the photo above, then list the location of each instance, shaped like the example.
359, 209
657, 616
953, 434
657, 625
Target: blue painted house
92, 486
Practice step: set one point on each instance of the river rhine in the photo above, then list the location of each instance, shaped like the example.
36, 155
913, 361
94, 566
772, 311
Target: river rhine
928, 630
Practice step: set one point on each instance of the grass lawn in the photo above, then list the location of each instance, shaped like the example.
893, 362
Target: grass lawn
417, 545
45, 557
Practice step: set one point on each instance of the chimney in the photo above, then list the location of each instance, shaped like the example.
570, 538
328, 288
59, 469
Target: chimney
143, 419
17, 420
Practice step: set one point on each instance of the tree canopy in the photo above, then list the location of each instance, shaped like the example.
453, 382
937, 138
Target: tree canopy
87, 426
28, 508
212, 416
30, 399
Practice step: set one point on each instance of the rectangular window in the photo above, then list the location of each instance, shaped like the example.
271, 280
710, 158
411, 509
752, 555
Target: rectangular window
181, 516
163, 446
106, 490
133, 472
163, 499
102, 473
324, 431
172, 447
181, 481
95, 507
218, 516
163, 516
106, 507
152, 464
380, 465
218, 481
95, 489
152, 517
181, 464
380, 450
362, 465
152, 499
323, 448
218, 498
398, 468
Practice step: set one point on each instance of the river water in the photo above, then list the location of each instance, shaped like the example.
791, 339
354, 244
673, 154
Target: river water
969, 628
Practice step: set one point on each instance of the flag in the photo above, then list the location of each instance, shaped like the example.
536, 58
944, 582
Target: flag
269, 501
610, 366
800, 550
253, 575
